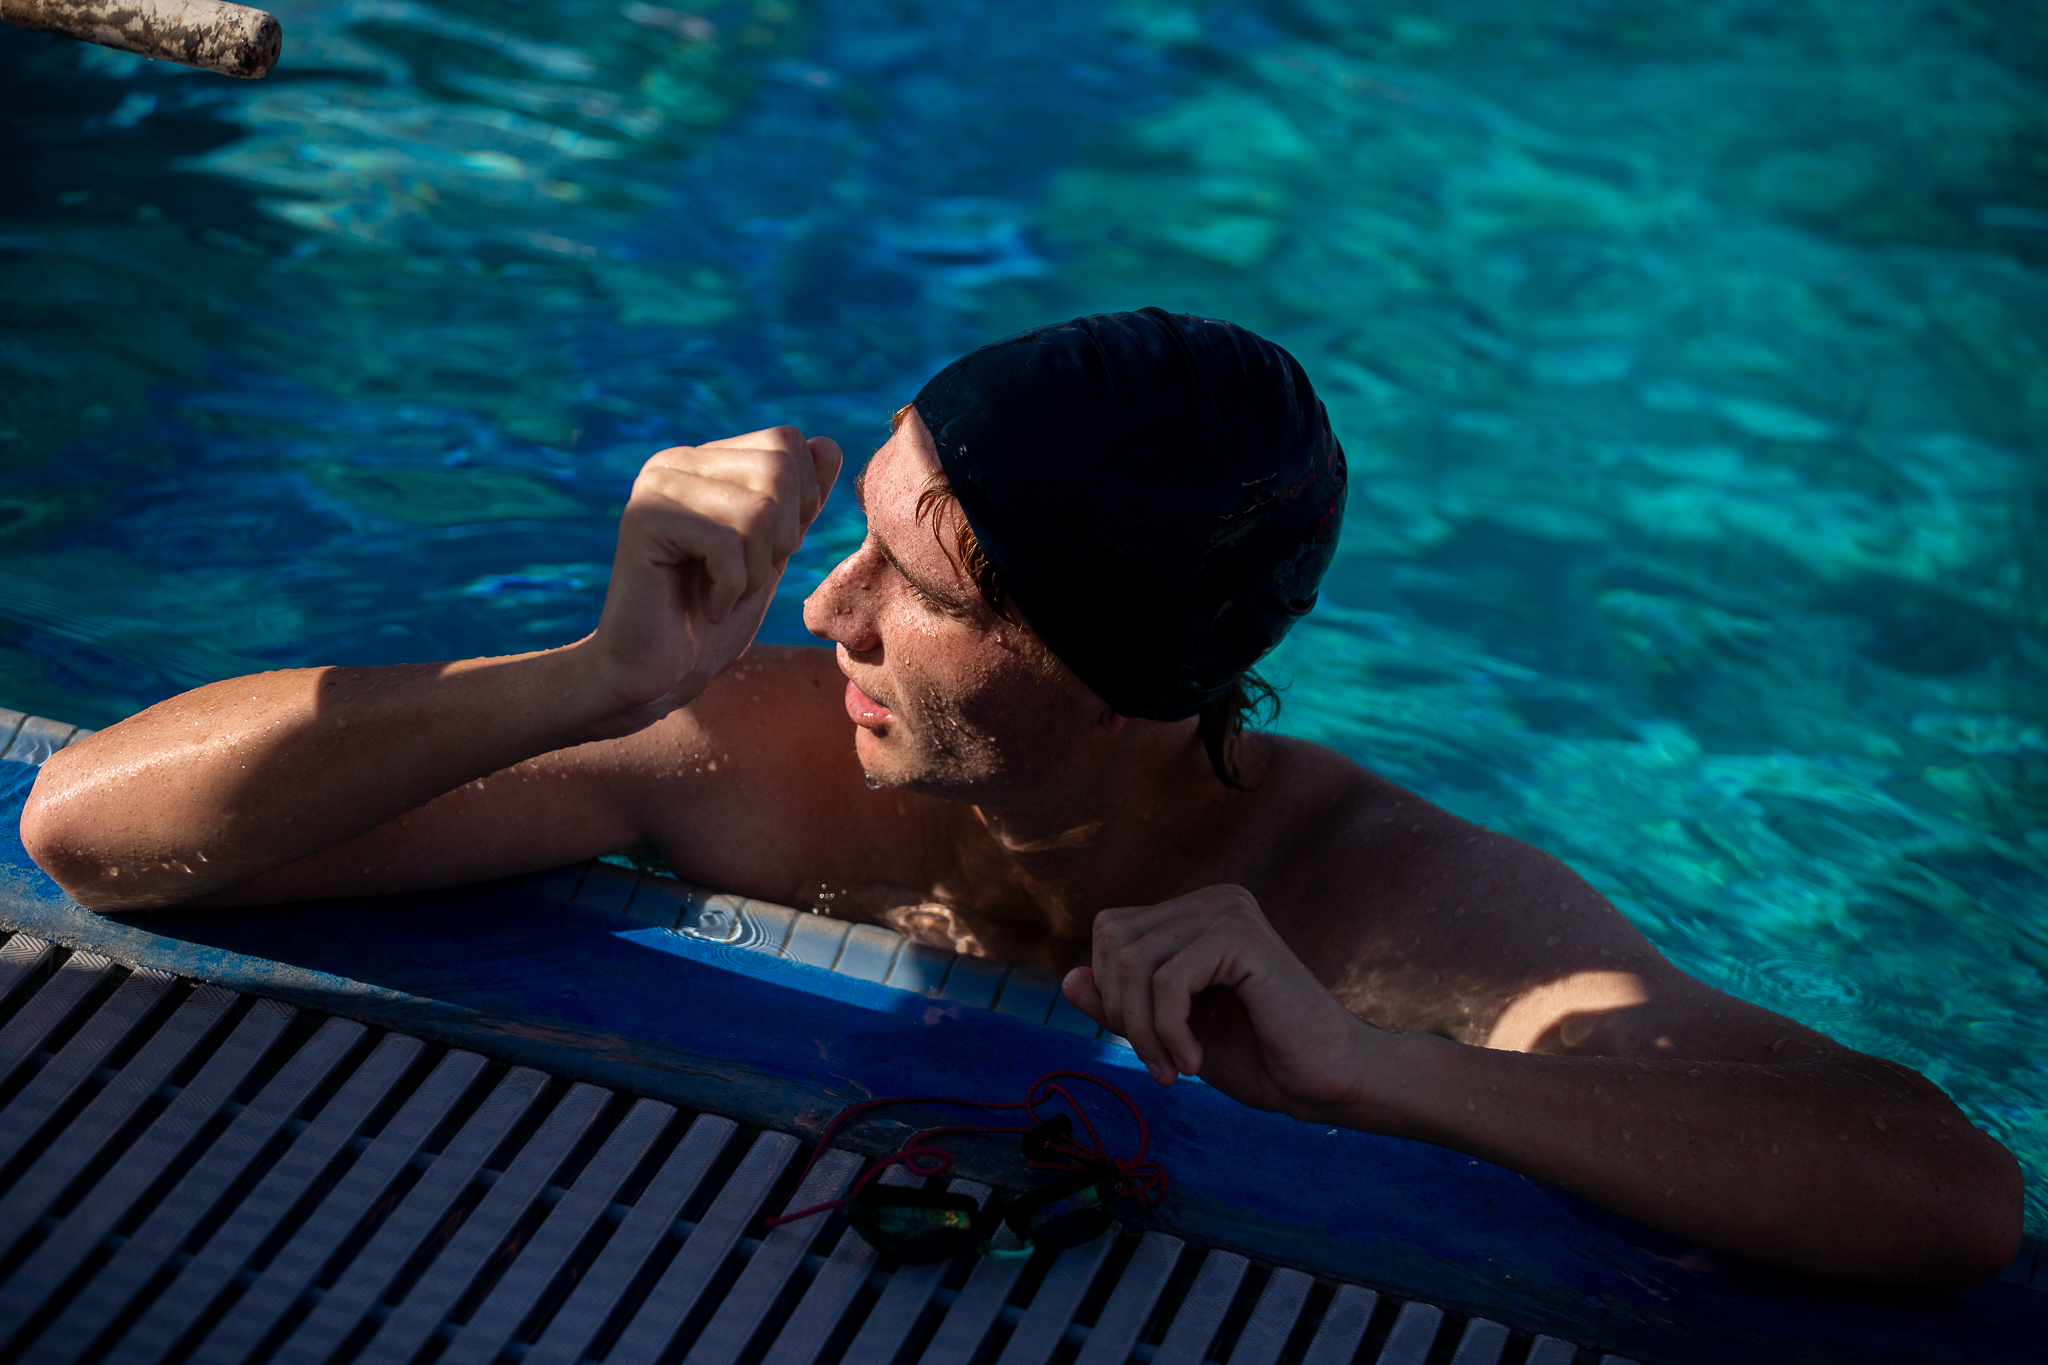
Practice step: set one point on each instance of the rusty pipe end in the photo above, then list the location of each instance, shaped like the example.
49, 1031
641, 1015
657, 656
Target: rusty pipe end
234, 40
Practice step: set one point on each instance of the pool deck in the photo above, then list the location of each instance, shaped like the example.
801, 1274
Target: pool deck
767, 1018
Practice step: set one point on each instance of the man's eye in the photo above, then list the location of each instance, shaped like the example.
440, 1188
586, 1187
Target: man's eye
930, 603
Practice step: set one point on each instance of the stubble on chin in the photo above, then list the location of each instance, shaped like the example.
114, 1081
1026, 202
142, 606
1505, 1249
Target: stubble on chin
893, 757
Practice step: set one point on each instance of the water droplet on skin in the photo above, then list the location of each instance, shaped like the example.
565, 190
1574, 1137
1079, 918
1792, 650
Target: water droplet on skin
874, 783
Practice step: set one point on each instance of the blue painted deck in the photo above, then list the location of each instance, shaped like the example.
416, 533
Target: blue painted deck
587, 993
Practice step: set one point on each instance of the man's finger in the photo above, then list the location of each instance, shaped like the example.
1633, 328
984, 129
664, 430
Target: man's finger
1179, 979
1130, 967
1183, 941
715, 552
728, 527
1113, 931
1134, 921
784, 437
777, 460
1079, 988
759, 519
1130, 944
770, 473
826, 461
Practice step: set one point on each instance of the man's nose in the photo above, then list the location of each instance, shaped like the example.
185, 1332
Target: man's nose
837, 609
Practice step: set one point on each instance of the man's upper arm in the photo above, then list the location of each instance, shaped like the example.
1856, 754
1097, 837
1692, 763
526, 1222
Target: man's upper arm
1583, 981
1651, 1009
1531, 958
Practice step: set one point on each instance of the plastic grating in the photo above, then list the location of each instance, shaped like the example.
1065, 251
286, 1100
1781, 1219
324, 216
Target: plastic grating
196, 1175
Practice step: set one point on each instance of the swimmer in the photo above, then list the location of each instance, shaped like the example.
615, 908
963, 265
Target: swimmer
1080, 541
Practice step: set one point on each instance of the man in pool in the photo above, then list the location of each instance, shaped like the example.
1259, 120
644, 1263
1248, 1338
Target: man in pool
1079, 541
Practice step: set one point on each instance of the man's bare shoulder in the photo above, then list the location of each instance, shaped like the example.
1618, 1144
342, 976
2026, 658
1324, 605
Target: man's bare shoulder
1336, 822
1420, 919
777, 676
755, 787
774, 703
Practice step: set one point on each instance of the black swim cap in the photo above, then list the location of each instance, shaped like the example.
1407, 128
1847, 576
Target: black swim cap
1160, 494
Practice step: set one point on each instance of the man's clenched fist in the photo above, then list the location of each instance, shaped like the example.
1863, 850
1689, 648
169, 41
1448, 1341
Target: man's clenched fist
702, 544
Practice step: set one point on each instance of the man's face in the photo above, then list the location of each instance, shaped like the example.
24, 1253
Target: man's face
950, 698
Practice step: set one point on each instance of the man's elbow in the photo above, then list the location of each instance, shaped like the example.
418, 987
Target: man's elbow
63, 842
1970, 1256
1974, 1228
1991, 1234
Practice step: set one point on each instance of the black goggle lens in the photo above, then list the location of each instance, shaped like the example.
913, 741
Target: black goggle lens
918, 1227
1067, 1212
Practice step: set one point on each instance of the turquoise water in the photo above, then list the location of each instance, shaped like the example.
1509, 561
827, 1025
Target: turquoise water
1692, 360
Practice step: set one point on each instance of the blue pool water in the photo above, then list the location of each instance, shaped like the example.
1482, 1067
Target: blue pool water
1692, 360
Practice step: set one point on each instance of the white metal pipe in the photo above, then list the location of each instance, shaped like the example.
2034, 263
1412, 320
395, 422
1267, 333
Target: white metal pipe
234, 40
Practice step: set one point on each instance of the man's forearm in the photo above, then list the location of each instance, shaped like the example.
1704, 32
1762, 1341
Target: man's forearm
1838, 1165
212, 787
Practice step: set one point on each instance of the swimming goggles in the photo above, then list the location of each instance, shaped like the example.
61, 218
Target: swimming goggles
911, 1225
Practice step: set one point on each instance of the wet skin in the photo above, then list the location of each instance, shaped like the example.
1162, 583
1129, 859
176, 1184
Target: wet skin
1324, 943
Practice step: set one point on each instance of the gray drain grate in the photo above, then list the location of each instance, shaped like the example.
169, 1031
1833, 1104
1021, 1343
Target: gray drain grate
189, 1174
